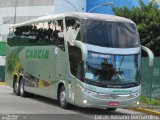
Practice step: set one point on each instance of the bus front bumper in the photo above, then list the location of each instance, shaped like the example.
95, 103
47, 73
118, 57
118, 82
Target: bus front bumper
95, 102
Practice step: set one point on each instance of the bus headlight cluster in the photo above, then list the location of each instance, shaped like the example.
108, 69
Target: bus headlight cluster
86, 91
136, 94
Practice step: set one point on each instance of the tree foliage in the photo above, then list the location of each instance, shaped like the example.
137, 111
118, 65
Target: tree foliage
147, 18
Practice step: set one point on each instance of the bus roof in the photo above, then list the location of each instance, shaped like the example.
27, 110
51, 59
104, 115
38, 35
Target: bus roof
93, 16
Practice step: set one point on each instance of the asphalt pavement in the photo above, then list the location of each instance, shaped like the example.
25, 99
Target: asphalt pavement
14, 107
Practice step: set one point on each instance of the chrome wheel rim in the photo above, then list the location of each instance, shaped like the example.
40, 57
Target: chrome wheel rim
62, 97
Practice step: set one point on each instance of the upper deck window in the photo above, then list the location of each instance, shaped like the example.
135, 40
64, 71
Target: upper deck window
110, 34
38, 34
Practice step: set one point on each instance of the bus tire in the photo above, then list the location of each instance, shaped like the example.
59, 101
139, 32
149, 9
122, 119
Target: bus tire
16, 87
62, 98
21, 88
111, 109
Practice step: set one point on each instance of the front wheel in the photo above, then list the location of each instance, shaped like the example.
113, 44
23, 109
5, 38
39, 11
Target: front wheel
62, 98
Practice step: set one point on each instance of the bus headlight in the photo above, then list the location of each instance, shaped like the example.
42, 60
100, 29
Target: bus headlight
136, 94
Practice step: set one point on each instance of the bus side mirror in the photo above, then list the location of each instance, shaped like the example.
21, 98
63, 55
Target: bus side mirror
150, 55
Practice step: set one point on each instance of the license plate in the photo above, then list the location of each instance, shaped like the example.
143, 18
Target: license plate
113, 103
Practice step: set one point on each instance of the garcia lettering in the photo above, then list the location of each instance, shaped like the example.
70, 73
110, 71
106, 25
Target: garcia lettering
37, 54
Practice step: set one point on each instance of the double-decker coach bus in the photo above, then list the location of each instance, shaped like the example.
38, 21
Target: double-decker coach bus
89, 60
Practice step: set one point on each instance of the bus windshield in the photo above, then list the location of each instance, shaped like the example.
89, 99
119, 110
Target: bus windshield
110, 34
113, 70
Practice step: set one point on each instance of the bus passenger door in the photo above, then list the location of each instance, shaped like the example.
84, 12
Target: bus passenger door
72, 32
75, 60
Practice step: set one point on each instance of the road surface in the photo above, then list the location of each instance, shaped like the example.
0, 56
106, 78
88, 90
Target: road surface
14, 107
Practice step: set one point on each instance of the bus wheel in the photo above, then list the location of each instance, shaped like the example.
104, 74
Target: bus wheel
62, 98
111, 109
16, 87
22, 92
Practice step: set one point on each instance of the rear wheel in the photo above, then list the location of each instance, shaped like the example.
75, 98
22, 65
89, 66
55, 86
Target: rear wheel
62, 98
16, 87
22, 91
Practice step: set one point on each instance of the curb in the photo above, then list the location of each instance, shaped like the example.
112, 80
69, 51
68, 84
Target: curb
147, 111
2, 83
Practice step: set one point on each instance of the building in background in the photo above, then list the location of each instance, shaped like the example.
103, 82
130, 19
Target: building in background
23, 10
2, 60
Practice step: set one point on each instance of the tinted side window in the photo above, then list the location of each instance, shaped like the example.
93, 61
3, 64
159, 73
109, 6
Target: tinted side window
29, 35
57, 36
39, 34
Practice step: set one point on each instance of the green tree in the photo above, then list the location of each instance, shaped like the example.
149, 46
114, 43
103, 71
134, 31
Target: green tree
147, 18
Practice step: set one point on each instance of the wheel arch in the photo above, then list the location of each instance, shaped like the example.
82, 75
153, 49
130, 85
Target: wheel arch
20, 78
